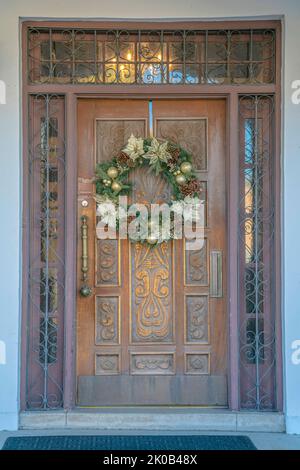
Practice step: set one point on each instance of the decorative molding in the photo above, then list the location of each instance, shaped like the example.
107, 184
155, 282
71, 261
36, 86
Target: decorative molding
197, 318
107, 364
108, 258
196, 266
152, 293
197, 364
152, 363
111, 134
188, 133
107, 322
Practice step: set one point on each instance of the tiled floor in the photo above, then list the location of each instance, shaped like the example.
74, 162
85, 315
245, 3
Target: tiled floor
263, 441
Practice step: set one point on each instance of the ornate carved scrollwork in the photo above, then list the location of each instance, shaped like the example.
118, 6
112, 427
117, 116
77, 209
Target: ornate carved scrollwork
197, 318
107, 320
190, 134
152, 293
196, 266
152, 363
107, 364
107, 271
197, 364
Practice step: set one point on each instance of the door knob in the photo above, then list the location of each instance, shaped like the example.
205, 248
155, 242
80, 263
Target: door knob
85, 291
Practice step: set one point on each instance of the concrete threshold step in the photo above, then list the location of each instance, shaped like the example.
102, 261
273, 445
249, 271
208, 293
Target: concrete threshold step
156, 418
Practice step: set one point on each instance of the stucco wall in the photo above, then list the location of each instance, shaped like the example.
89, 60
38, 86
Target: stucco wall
10, 162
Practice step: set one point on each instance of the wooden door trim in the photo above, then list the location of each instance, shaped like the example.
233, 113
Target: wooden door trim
70, 384
232, 145
230, 93
152, 24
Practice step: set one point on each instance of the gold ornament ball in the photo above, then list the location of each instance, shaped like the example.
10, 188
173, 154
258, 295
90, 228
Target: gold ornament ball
112, 172
116, 186
180, 179
151, 240
186, 167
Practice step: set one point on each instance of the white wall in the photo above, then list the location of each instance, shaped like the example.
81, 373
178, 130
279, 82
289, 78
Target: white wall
10, 162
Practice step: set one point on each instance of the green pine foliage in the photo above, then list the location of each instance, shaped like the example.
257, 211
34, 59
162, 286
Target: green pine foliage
159, 168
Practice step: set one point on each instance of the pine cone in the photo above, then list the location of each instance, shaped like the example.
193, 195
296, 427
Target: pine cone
124, 159
190, 188
185, 190
174, 151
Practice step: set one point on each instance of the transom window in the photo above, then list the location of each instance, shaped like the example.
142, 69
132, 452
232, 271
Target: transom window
73, 56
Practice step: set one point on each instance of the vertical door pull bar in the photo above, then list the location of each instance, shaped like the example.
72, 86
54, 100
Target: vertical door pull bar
85, 290
216, 281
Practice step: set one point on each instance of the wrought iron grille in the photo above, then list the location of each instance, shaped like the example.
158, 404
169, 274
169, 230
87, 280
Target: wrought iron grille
256, 304
46, 252
73, 56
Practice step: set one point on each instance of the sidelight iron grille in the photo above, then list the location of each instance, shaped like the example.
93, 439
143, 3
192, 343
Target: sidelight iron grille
46, 252
73, 56
256, 305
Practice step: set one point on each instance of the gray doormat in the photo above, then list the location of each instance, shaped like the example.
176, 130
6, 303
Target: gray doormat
129, 443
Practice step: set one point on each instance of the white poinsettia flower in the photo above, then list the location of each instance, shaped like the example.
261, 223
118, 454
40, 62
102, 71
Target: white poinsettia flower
135, 147
157, 151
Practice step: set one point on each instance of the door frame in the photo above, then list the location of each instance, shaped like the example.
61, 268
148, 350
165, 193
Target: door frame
231, 94
232, 201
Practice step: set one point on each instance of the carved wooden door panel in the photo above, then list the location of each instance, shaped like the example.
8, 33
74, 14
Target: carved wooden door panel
154, 330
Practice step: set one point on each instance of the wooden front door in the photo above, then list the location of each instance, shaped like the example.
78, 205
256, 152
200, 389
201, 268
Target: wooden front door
154, 330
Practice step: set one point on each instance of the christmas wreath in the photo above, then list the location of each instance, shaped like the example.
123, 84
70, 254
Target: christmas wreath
164, 158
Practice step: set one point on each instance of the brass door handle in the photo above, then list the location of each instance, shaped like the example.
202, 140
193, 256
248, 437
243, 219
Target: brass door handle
85, 290
216, 273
